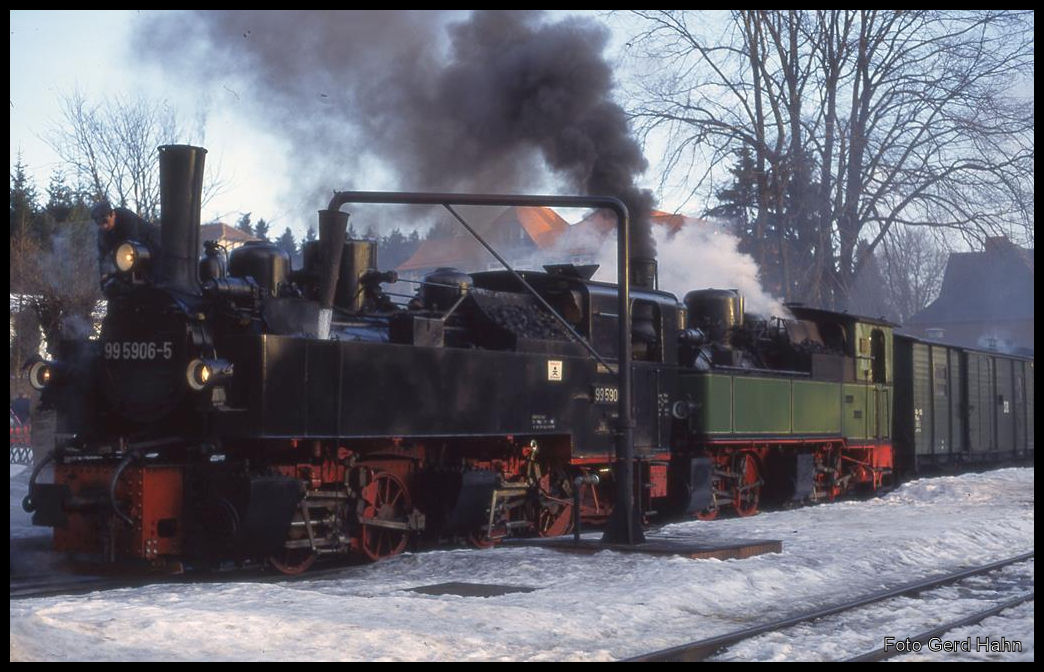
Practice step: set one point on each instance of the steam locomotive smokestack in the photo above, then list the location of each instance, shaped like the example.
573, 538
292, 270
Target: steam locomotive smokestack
181, 198
333, 225
643, 272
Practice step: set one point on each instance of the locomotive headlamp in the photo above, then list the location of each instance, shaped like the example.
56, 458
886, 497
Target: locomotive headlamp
131, 256
202, 373
41, 374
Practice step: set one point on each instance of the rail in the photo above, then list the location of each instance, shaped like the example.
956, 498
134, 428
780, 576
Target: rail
705, 648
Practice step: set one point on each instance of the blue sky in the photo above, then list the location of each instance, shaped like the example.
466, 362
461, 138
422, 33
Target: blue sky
54, 53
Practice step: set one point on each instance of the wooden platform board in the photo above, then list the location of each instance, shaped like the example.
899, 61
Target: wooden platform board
733, 549
471, 589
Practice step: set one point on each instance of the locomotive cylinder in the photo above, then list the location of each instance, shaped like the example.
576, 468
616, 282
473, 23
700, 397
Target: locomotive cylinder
181, 199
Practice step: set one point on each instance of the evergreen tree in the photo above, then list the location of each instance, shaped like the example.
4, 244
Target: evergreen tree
287, 242
311, 235
24, 202
244, 224
261, 229
773, 217
738, 203
59, 198
395, 248
443, 228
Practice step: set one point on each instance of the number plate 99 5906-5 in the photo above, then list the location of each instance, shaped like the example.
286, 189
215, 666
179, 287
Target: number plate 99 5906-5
138, 350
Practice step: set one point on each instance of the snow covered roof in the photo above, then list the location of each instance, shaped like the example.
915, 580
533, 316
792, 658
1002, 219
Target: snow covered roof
514, 228
224, 232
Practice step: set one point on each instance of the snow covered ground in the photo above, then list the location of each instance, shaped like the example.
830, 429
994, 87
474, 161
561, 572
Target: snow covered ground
601, 607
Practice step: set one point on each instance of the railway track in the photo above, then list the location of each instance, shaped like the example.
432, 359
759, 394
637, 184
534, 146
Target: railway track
70, 580
706, 648
916, 643
47, 586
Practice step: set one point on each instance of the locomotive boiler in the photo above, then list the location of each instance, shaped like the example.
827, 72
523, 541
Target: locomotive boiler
240, 410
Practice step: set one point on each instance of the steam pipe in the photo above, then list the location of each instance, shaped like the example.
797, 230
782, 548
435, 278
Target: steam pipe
624, 523
124, 463
27, 502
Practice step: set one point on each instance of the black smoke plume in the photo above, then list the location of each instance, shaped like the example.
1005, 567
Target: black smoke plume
489, 101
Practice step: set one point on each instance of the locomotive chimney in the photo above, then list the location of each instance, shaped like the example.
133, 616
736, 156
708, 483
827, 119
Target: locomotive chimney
643, 272
333, 225
181, 198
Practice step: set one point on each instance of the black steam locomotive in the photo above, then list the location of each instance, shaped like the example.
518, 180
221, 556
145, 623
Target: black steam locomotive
237, 409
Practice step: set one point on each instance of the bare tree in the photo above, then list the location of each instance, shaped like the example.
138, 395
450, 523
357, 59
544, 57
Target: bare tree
112, 147
25, 280
56, 281
912, 265
858, 121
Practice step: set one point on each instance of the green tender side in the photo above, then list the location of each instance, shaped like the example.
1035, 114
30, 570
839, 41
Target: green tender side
867, 411
715, 405
857, 410
762, 406
817, 407
754, 405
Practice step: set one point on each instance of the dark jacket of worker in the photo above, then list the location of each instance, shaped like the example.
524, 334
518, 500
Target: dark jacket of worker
128, 226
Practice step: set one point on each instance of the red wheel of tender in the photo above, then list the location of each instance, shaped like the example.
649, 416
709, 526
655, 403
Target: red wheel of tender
748, 485
385, 529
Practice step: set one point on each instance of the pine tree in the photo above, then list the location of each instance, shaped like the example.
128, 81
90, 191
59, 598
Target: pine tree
261, 229
287, 242
24, 202
59, 198
244, 224
394, 249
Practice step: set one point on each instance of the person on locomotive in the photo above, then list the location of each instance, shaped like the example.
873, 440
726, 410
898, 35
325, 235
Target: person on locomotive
116, 226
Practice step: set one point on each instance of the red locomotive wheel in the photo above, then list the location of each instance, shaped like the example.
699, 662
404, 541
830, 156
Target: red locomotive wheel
555, 519
717, 485
706, 514
835, 483
293, 561
479, 539
384, 531
748, 486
